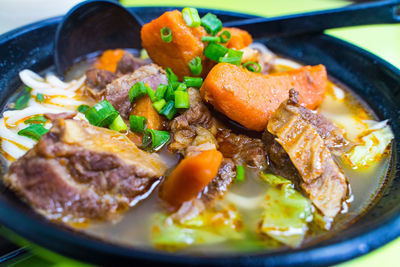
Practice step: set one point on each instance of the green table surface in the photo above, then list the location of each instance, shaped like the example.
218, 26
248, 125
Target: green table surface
382, 40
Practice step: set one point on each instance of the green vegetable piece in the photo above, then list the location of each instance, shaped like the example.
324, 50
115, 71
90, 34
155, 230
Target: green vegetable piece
102, 114
138, 90
240, 173
182, 99
191, 17
143, 54
233, 57
211, 23
36, 119
181, 87
33, 131
225, 36
83, 108
169, 94
151, 94
118, 124
159, 105
214, 51
193, 81
137, 123
210, 39
171, 75
22, 101
39, 97
252, 66
169, 109
160, 92
156, 138
195, 66
166, 34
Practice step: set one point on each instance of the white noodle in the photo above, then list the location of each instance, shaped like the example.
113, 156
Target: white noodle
66, 101
13, 116
287, 62
7, 134
55, 82
12, 150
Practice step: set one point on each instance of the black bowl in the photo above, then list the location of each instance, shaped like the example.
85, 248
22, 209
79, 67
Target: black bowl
374, 80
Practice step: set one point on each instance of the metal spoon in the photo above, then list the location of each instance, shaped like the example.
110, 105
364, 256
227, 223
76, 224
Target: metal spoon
100, 24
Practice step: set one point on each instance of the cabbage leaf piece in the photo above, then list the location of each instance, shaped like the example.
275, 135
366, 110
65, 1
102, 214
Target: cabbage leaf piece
286, 211
373, 146
210, 227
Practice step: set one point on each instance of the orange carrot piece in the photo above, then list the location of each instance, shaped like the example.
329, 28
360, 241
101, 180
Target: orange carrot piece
186, 43
250, 98
239, 38
143, 107
109, 59
190, 177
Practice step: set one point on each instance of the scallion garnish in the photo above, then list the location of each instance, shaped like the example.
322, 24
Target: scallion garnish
193, 81
171, 75
210, 39
102, 114
240, 173
169, 94
225, 36
252, 66
118, 124
39, 97
34, 131
233, 57
138, 90
166, 34
181, 99
214, 51
181, 87
155, 139
151, 94
169, 109
191, 17
35, 119
83, 108
22, 101
211, 23
137, 123
195, 66
160, 92
159, 105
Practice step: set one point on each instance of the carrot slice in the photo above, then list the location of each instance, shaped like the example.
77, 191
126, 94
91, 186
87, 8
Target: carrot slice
239, 38
250, 98
190, 177
143, 107
109, 60
186, 43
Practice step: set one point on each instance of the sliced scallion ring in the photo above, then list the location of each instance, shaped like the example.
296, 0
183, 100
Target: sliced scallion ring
33, 131
166, 34
169, 109
118, 124
252, 66
83, 108
138, 90
193, 81
240, 173
195, 66
102, 114
225, 36
191, 17
36, 119
137, 123
211, 23
214, 51
181, 99
155, 139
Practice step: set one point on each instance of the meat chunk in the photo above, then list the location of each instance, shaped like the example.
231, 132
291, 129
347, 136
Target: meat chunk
79, 171
321, 178
242, 149
97, 80
129, 63
117, 92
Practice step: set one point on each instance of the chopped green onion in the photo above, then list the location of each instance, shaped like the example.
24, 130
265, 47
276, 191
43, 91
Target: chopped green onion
160, 92
214, 51
193, 81
39, 97
137, 123
171, 75
191, 17
175, 85
143, 54
36, 119
166, 35
118, 124
159, 105
181, 99
34, 131
22, 101
252, 66
102, 114
225, 36
181, 87
156, 138
210, 39
195, 66
211, 23
169, 94
240, 173
151, 93
83, 108
233, 57
169, 109
138, 90
235, 53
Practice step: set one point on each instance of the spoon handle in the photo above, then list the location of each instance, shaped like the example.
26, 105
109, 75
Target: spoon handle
381, 12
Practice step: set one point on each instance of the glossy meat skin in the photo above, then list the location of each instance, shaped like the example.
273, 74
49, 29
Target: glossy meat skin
321, 178
117, 92
79, 171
